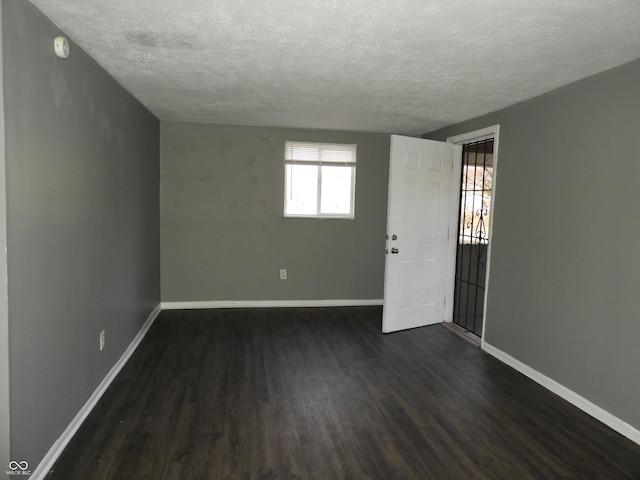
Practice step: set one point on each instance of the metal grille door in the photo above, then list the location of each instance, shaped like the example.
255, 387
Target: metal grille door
473, 235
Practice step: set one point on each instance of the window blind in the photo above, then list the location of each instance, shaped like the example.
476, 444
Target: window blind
319, 153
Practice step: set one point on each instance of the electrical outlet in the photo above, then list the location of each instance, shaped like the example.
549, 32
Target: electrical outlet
283, 274
102, 340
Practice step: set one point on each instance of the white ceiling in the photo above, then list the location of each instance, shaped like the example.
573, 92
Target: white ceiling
403, 66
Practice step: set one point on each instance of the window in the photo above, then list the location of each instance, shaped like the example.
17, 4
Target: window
320, 180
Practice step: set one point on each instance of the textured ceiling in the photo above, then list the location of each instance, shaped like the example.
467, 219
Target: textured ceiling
403, 66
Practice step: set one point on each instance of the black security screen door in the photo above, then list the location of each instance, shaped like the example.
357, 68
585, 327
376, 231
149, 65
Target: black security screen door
473, 235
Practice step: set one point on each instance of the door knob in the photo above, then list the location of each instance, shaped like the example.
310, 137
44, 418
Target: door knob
394, 237
394, 250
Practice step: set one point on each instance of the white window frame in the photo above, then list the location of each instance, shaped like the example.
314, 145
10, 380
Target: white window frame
320, 163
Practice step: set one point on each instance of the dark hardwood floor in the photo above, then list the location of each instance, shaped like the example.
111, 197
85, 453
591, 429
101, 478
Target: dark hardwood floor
322, 394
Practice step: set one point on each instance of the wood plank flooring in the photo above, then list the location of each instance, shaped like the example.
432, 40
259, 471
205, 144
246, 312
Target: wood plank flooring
322, 394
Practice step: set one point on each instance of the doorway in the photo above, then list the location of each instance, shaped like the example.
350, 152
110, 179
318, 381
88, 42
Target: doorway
473, 239
473, 235
419, 285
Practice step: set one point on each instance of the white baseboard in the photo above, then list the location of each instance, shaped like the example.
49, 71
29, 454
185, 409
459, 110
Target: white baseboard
572, 397
54, 452
267, 303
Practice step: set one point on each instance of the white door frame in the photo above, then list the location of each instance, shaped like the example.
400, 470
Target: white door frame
474, 136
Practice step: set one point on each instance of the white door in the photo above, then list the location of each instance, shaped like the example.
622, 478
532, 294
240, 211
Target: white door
421, 213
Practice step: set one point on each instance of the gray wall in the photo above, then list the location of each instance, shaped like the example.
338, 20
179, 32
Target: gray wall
4, 307
223, 232
83, 226
565, 268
